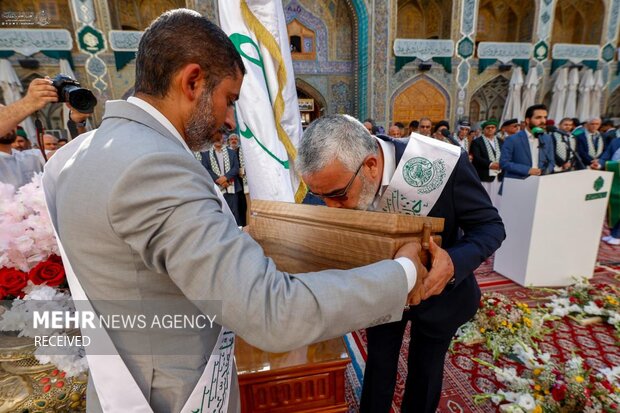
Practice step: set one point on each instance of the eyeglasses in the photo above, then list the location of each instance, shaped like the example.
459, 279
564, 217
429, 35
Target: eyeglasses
340, 193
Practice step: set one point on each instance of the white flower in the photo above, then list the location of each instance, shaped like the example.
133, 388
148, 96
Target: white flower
497, 398
614, 318
575, 363
527, 402
70, 359
612, 374
592, 309
508, 395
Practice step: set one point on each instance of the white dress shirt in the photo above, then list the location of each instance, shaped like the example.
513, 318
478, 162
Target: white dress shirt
151, 110
533, 148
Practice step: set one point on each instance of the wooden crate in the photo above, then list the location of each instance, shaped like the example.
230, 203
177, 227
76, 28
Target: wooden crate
305, 238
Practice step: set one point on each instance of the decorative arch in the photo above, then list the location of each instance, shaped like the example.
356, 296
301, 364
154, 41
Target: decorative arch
361, 22
420, 97
424, 19
505, 21
488, 101
578, 21
307, 91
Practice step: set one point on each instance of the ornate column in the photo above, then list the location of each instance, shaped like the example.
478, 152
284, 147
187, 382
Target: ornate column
609, 46
380, 55
465, 51
91, 41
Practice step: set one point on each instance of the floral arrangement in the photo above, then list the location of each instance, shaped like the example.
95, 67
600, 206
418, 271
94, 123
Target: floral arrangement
501, 322
70, 359
582, 301
31, 271
550, 387
28, 249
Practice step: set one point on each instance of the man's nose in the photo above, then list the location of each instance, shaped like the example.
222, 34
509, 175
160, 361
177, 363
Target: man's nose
230, 118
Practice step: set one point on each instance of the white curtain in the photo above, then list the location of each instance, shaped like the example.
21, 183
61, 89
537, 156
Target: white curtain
530, 88
597, 93
585, 94
570, 110
558, 101
512, 109
12, 91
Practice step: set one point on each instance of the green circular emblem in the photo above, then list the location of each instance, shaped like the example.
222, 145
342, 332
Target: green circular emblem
418, 172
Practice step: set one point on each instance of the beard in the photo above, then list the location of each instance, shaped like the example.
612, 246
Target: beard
367, 194
201, 131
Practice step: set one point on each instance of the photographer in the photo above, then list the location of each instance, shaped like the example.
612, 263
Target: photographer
44, 91
40, 93
17, 167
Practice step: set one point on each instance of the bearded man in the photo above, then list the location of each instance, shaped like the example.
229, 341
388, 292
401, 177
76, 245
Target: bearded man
141, 220
348, 168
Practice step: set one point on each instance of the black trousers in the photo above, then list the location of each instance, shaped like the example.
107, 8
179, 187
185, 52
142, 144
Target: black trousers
233, 203
433, 324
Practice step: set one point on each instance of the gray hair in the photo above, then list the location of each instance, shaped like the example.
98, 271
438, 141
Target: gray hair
592, 119
332, 137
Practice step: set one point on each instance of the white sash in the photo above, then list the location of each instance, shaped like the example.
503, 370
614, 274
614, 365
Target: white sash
420, 176
115, 386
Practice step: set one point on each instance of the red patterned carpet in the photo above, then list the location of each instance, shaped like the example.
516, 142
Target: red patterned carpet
464, 378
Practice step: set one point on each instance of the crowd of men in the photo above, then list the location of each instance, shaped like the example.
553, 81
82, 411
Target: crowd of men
534, 146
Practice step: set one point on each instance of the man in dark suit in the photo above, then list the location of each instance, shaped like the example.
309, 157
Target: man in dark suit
328, 166
530, 151
222, 164
485, 152
590, 143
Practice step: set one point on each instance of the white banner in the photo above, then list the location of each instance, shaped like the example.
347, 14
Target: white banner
267, 109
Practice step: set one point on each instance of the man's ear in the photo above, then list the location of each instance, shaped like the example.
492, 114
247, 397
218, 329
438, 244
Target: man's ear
191, 78
372, 163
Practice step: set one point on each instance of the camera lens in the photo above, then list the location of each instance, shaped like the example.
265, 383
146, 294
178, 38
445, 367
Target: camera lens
81, 99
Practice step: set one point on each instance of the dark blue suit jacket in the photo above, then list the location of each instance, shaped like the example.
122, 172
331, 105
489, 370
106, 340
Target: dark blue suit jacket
473, 230
582, 147
516, 159
609, 152
231, 174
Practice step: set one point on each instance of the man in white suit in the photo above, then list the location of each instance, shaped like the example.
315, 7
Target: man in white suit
140, 219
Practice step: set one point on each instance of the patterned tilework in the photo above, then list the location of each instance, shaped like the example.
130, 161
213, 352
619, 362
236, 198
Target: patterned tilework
379, 70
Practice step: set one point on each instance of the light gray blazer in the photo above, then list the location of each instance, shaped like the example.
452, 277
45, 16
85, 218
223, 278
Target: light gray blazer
140, 220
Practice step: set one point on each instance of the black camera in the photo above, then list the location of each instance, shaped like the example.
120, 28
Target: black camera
69, 90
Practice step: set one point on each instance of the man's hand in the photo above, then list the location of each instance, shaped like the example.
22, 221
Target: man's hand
535, 171
221, 180
494, 166
595, 165
567, 165
40, 93
442, 271
412, 250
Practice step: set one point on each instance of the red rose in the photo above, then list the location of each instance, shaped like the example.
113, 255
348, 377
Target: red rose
12, 281
599, 303
491, 313
50, 272
481, 304
573, 300
558, 393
